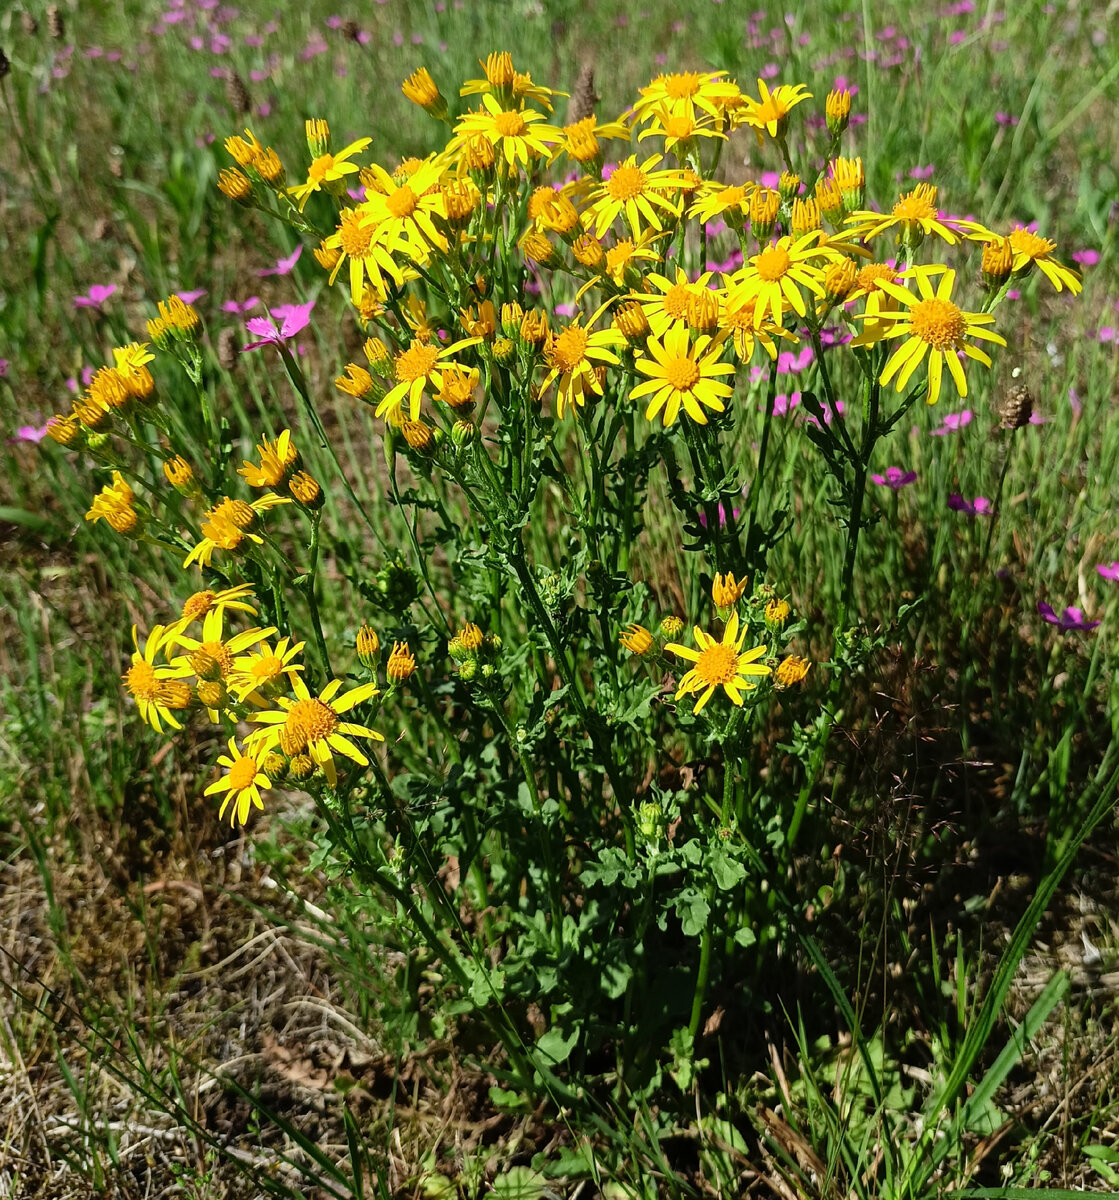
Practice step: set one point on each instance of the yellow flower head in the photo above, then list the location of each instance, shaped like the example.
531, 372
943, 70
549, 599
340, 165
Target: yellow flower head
726, 591
572, 355
327, 170
115, 504
159, 690
771, 112
241, 783
420, 88
637, 640
914, 217
517, 135
791, 670
682, 374
719, 664
1032, 250
278, 460
401, 663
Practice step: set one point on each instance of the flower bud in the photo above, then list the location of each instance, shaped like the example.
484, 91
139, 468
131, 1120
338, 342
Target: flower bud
368, 647
837, 110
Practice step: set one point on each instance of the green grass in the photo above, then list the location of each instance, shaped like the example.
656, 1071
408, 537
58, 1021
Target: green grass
146, 948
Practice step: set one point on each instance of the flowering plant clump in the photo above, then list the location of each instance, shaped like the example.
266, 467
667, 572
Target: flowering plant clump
566, 330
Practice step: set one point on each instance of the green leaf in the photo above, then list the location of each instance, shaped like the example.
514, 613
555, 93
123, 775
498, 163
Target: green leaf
520, 1183
728, 871
556, 1045
693, 911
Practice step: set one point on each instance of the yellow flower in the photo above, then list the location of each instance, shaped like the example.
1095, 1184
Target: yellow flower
421, 365
719, 664
771, 112
931, 325
504, 81
723, 200
368, 252
368, 646
198, 606
264, 669
726, 591
311, 725
401, 663
671, 302
680, 129
738, 320
420, 88
326, 169
571, 356
776, 613
517, 134
637, 640
1030, 248
837, 111
791, 670
680, 94
403, 213
580, 139
776, 275
211, 658
914, 217
682, 373
635, 192
242, 783
228, 524
115, 504
278, 460
158, 690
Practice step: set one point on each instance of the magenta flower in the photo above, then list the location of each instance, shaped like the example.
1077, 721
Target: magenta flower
1108, 333
239, 307
98, 294
1109, 570
294, 318
284, 266
953, 422
192, 296
4, 364
1071, 618
1086, 258
722, 516
894, 478
978, 507
30, 433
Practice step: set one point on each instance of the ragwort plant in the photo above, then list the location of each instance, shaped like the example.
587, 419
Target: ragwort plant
560, 794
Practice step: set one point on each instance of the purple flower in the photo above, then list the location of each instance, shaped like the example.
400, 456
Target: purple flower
4, 364
30, 433
1071, 618
98, 294
284, 266
978, 507
239, 307
1109, 570
1086, 258
191, 296
1002, 118
894, 478
722, 516
294, 318
1108, 333
953, 422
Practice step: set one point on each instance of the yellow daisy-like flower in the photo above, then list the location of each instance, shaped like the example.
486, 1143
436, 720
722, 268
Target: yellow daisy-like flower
1029, 247
771, 112
637, 193
278, 460
159, 691
719, 664
328, 169
682, 93
115, 504
571, 356
403, 212
504, 81
265, 668
211, 658
242, 783
619, 263
680, 130
914, 217
580, 139
671, 302
931, 325
723, 200
776, 275
737, 319
637, 640
228, 524
682, 374
312, 725
202, 603
518, 135
364, 247
421, 365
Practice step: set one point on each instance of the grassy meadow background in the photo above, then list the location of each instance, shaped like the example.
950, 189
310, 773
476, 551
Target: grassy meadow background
190, 1010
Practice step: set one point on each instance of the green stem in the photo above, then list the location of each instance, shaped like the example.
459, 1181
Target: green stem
312, 600
756, 483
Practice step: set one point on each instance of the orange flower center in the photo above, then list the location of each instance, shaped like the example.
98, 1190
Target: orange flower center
416, 362
307, 721
731, 196
626, 183
676, 301
353, 237
1022, 241
681, 127
570, 348
619, 255
509, 124
682, 86
320, 168
772, 264
918, 205
939, 323
681, 373
266, 668
402, 203
242, 774
211, 660
198, 605
868, 277
141, 681
717, 664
